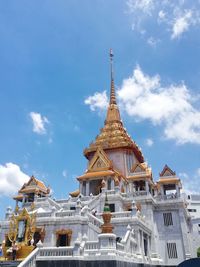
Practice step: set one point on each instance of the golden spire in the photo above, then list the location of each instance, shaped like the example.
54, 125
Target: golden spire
112, 86
113, 111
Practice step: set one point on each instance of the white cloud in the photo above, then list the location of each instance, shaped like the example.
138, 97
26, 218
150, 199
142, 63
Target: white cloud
11, 179
143, 97
39, 122
181, 24
166, 16
143, 5
64, 173
97, 101
153, 41
161, 15
190, 182
198, 172
149, 142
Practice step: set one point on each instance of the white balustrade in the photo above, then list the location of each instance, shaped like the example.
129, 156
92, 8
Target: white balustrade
68, 213
94, 220
56, 252
120, 247
140, 193
121, 214
44, 214
30, 260
110, 192
91, 245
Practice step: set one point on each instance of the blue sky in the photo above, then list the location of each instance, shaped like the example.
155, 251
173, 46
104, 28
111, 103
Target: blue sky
55, 79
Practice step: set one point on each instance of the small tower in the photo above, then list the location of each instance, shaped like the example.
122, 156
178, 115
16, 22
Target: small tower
107, 226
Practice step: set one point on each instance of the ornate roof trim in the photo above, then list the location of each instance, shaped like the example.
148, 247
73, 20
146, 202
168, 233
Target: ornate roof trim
165, 169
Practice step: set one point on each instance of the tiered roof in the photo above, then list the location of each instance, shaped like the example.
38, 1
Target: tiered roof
32, 186
113, 135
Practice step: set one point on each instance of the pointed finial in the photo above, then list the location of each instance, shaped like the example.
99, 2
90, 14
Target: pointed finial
112, 87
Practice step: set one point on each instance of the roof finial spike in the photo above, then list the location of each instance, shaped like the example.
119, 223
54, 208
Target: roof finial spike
112, 87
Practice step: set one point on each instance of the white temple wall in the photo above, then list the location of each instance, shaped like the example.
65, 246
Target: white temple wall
118, 158
50, 232
171, 235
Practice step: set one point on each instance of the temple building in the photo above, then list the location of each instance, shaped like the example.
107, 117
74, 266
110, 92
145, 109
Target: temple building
119, 212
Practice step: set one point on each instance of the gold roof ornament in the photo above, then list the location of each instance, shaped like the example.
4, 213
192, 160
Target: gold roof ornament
167, 176
113, 135
33, 186
75, 193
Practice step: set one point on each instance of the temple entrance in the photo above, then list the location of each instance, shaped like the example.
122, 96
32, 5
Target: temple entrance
39, 235
145, 245
95, 187
36, 238
63, 238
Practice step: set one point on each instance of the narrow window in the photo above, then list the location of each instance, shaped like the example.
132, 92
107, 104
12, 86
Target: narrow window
167, 219
109, 184
172, 251
84, 188
192, 210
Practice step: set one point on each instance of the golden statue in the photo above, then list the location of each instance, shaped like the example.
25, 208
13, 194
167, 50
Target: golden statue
21, 231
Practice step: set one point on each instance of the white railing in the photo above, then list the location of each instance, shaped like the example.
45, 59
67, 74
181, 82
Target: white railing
110, 192
121, 214
44, 214
53, 203
40, 199
90, 245
94, 220
120, 247
93, 203
140, 193
63, 201
167, 197
68, 213
30, 260
56, 252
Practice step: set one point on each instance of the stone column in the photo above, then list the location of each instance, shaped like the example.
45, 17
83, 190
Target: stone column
81, 187
177, 190
147, 186
107, 242
112, 184
142, 243
87, 188
148, 246
162, 190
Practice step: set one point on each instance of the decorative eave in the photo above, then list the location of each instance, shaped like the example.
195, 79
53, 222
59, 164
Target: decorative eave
97, 174
18, 197
143, 166
167, 169
34, 186
75, 193
172, 180
108, 144
143, 176
30, 189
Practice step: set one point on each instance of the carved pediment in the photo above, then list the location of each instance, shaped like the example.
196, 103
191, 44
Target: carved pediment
100, 161
138, 167
167, 172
